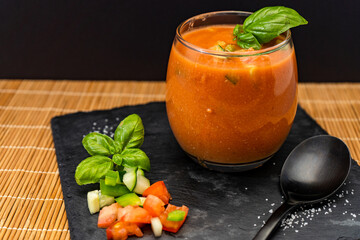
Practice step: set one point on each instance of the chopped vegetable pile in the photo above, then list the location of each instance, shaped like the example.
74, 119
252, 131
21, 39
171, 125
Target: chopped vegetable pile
118, 165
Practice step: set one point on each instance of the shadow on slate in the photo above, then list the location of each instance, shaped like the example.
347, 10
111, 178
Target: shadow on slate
222, 205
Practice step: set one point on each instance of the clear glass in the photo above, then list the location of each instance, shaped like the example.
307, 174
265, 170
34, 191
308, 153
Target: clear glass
230, 111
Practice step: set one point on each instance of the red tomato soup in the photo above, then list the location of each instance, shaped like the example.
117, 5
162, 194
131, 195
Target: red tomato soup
230, 109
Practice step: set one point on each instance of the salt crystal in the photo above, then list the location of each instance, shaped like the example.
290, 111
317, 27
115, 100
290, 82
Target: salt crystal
296, 231
271, 211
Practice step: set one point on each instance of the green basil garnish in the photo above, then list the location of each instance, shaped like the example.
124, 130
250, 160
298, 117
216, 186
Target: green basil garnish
248, 40
129, 136
130, 132
265, 25
92, 169
99, 144
135, 157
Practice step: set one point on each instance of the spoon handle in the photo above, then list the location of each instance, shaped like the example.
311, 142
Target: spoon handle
274, 220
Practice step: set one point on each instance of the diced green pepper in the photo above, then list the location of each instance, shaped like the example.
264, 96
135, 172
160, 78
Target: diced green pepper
112, 178
176, 216
115, 191
231, 79
128, 199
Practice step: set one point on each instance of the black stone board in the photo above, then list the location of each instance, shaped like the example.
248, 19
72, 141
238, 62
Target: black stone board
222, 205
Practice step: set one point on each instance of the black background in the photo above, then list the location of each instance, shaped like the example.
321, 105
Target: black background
131, 40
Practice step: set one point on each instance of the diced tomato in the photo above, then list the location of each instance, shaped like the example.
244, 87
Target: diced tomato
154, 205
121, 230
133, 214
158, 189
108, 215
172, 226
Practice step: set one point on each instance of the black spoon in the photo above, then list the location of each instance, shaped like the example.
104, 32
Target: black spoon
313, 171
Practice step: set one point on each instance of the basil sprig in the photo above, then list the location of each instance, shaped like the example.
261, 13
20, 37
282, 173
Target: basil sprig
124, 149
266, 24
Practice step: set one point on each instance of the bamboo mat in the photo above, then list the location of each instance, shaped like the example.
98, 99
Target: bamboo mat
31, 201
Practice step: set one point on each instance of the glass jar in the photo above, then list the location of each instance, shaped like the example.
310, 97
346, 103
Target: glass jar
230, 111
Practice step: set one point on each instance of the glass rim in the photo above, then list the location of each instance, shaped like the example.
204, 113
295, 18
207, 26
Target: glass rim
187, 44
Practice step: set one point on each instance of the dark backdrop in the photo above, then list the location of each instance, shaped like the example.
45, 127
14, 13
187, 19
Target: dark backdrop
124, 39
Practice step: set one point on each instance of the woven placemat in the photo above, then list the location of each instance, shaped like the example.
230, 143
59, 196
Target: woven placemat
31, 198
222, 205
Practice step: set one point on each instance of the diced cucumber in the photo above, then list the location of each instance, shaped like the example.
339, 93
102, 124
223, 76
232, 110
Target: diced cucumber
129, 169
156, 226
128, 199
142, 200
140, 172
121, 174
114, 191
112, 178
93, 201
105, 200
142, 183
176, 216
230, 48
129, 179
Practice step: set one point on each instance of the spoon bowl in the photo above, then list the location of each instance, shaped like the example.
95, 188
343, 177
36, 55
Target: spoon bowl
313, 171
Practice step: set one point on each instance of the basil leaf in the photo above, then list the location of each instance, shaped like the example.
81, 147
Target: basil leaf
92, 169
99, 144
238, 29
247, 40
269, 22
117, 159
135, 157
130, 132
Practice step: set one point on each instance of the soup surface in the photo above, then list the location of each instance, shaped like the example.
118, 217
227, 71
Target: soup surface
233, 109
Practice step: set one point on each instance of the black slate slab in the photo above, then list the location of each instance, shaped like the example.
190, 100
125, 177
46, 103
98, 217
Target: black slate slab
222, 205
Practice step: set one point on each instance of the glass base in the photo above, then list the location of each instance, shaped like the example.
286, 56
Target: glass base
237, 167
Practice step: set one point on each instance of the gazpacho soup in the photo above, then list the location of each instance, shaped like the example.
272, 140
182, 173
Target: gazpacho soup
228, 105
